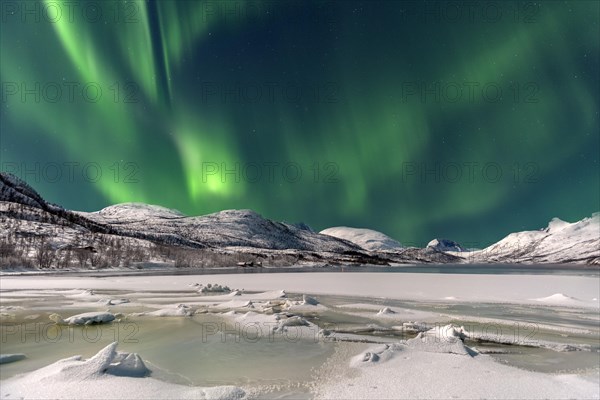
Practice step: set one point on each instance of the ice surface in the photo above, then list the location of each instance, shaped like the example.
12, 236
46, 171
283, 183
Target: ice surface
107, 375
516, 289
436, 355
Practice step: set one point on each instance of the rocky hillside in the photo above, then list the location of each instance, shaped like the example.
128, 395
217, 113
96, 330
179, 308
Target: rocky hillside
38, 234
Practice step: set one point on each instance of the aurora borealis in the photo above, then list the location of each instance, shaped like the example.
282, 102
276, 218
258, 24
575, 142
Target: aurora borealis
465, 120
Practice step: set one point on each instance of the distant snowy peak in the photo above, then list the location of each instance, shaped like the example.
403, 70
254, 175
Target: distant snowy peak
445, 245
556, 224
559, 232
368, 239
560, 242
133, 211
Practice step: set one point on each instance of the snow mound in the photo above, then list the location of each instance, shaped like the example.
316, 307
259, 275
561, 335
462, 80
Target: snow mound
441, 339
106, 361
368, 239
181, 310
107, 375
375, 355
560, 299
294, 321
398, 371
447, 333
84, 319
126, 364
412, 326
265, 325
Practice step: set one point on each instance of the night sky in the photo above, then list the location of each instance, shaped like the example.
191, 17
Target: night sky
462, 120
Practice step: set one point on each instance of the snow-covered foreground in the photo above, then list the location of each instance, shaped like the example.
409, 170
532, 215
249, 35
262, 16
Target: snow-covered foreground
437, 370
109, 374
306, 335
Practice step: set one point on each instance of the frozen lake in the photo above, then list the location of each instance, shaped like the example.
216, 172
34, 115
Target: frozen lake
280, 345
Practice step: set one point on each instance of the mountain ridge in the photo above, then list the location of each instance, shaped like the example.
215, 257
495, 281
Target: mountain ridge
151, 233
136, 233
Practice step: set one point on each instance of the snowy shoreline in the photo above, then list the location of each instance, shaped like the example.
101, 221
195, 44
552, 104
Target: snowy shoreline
154, 270
514, 289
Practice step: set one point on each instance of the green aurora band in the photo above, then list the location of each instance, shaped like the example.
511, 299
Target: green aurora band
342, 92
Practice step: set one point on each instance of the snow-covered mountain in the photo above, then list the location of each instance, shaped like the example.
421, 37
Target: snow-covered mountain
224, 229
31, 228
560, 242
366, 238
246, 230
34, 232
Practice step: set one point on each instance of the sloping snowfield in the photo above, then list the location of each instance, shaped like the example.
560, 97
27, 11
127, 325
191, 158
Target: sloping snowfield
301, 335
